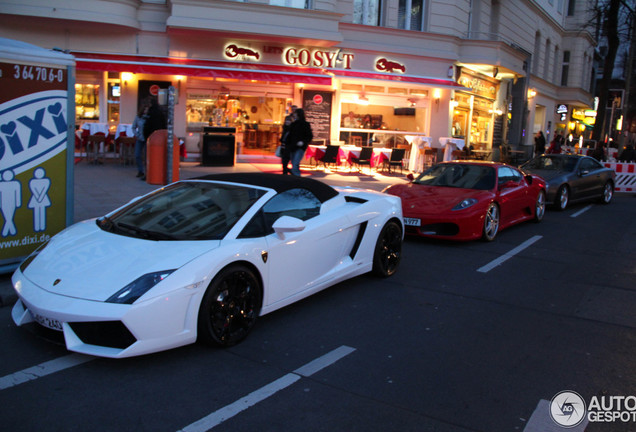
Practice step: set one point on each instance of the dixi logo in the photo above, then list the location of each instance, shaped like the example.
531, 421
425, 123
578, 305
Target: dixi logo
32, 129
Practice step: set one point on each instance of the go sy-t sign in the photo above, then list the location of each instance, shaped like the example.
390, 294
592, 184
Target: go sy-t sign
33, 167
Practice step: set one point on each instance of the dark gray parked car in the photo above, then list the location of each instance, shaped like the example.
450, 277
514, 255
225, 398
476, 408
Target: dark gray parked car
572, 178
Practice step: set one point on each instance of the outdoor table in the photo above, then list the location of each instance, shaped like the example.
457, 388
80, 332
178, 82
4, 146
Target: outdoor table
124, 128
315, 151
449, 145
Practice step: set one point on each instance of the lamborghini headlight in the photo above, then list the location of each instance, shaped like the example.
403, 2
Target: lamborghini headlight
137, 288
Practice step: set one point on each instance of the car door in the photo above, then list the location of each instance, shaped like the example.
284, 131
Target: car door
298, 261
589, 183
513, 194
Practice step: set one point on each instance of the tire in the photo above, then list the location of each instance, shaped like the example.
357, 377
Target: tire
491, 223
608, 193
388, 250
562, 198
539, 207
230, 306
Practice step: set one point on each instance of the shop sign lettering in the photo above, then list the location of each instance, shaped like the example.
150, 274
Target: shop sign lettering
33, 128
317, 58
481, 87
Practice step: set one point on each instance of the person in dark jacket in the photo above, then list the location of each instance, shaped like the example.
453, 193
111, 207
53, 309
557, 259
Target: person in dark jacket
285, 154
300, 135
156, 119
539, 143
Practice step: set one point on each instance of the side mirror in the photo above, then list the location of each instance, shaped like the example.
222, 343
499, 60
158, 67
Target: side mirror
287, 224
410, 177
529, 179
583, 172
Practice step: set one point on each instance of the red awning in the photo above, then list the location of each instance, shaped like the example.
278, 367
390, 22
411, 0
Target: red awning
200, 68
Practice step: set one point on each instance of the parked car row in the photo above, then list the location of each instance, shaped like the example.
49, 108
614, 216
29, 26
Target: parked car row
466, 200
202, 259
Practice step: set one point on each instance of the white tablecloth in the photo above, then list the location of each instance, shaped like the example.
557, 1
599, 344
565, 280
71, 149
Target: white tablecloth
416, 158
94, 128
125, 128
449, 145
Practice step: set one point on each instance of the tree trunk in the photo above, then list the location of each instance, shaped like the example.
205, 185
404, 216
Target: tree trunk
610, 26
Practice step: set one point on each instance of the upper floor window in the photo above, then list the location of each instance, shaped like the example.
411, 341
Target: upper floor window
565, 68
367, 12
411, 14
299, 4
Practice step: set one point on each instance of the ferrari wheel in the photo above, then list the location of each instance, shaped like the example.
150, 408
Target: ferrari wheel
388, 250
491, 223
539, 208
230, 306
562, 198
608, 193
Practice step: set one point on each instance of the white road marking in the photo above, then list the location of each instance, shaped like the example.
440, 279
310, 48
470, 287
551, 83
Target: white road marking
580, 212
43, 369
492, 264
540, 421
229, 411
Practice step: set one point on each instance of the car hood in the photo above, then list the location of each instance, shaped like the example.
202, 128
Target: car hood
434, 199
85, 262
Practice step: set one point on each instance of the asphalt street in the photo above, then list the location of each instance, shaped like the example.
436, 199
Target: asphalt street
464, 337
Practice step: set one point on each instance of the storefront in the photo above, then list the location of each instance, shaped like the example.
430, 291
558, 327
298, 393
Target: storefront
475, 112
251, 87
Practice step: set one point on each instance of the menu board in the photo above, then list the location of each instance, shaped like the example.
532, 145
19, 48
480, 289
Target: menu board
317, 106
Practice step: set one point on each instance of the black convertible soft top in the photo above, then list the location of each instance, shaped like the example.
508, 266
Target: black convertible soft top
278, 182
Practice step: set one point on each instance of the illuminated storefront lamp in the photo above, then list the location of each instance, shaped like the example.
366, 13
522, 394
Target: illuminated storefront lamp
125, 77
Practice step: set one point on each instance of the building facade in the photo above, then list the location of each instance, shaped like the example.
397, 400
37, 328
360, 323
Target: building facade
488, 72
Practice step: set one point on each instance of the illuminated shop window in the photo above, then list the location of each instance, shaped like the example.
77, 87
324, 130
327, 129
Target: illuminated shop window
86, 101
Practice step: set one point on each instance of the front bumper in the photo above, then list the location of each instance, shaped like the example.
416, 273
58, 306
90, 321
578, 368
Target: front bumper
459, 225
107, 329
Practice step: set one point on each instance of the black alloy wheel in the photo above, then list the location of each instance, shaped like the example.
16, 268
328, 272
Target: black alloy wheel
230, 306
388, 250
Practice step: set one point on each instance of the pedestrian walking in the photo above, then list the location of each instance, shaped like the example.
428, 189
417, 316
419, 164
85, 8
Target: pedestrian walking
300, 135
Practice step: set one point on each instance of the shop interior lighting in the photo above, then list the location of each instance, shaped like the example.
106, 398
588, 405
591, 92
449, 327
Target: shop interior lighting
363, 100
125, 77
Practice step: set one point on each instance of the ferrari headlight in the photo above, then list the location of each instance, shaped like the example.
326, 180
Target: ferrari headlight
465, 204
137, 288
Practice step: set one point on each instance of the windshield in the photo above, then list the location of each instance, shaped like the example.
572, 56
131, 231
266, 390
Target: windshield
552, 163
184, 211
464, 176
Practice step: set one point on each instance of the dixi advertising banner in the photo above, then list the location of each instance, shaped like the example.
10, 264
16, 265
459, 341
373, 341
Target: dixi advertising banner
34, 130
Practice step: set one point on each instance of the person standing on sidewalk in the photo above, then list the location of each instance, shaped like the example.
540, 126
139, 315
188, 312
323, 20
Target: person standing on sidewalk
140, 144
155, 120
300, 135
284, 150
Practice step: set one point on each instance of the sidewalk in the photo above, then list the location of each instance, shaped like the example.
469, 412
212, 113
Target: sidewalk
102, 188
